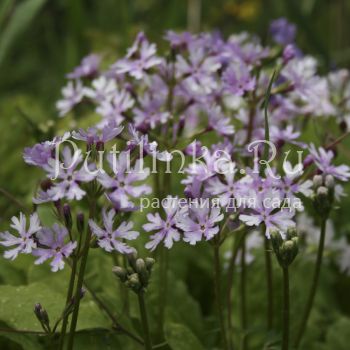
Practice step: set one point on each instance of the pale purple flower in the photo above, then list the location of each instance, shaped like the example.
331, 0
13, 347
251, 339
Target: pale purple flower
198, 70
123, 183
87, 68
139, 59
40, 154
237, 79
323, 160
101, 89
150, 114
179, 40
219, 122
268, 210
146, 148
110, 238
198, 222
94, 136
114, 109
73, 94
24, 241
51, 245
69, 177
282, 31
166, 228
226, 187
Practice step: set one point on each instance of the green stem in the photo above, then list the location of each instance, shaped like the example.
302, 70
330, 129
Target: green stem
69, 297
78, 290
217, 282
80, 281
285, 337
144, 320
314, 284
243, 297
269, 283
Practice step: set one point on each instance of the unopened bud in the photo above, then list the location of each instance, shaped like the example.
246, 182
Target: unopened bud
329, 182
317, 181
142, 272
67, 216
80, 223
133, 283
120, 272
322, 192
149, 263
42, 316
132, 257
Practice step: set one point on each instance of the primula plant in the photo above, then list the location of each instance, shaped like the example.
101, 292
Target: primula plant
203, 150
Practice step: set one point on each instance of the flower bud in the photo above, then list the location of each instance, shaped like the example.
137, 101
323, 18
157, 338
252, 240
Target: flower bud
120, 272
317, 181
42, 316
285, 250
67, 216
149, 263
141, 269
133, 283
329, 182
132, 260
80, 223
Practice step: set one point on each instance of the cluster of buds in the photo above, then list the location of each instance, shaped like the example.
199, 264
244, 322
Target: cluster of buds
43, 317
137, 275
285, 249
324, 194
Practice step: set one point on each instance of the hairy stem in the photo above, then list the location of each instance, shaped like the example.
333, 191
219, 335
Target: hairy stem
285, 336
269, 283
217, 282
314, 285
144, 320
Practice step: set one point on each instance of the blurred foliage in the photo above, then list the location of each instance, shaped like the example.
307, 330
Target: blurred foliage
42, 40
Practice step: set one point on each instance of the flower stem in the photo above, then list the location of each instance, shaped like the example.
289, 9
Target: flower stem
144, 320
313, 285
285, 337
217, 282
243, 296
269, 283
80, 280
69, 297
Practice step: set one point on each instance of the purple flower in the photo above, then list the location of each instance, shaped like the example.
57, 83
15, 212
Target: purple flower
146, 148
150, 113
198, 70
102, 89
237, 79
111, 239
52, 246
282, 31
72, 95
199, 221
40, 154
114, 109
267, 210
166, 228
87, 68
225, 187
93, 135
139, 59
69, 175
218, 121
25, 241
123, 181
323, 160
179, 40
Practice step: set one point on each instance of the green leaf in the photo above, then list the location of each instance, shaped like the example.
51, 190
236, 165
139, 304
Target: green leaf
17, 303
23, 15
180, 337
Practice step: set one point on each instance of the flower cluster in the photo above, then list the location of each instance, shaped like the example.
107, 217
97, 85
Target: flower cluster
205, 98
